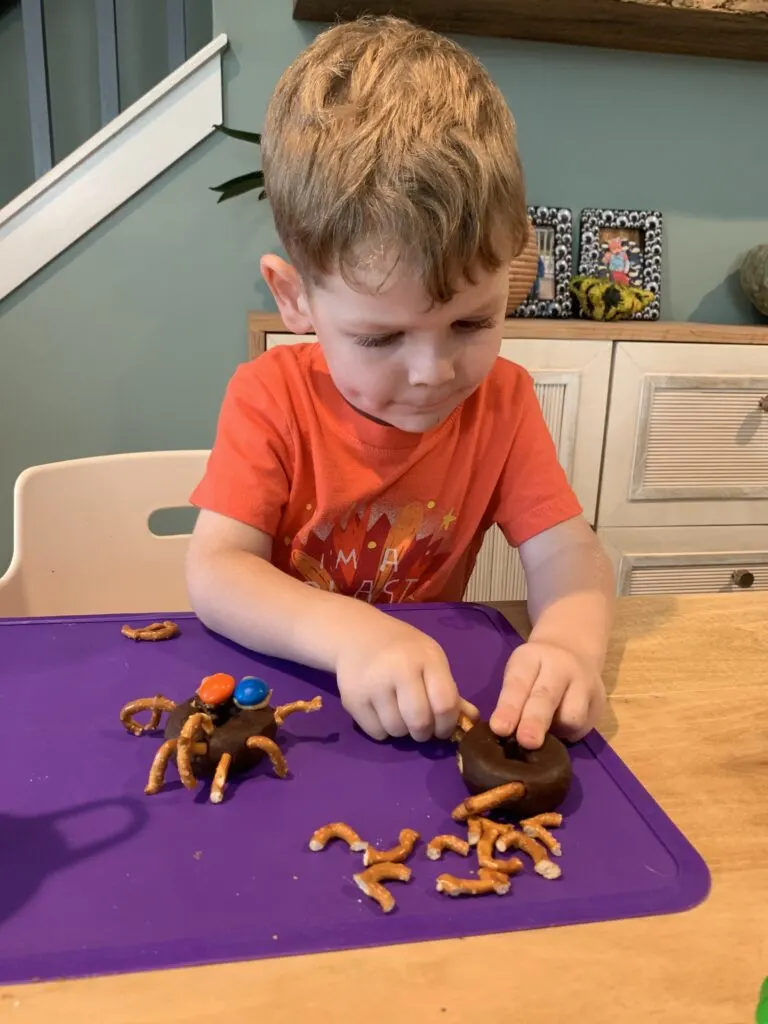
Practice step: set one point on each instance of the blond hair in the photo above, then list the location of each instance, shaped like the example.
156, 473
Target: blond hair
386, 136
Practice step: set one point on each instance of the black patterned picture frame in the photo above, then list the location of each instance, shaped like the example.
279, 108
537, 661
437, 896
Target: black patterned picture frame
549, 295
627, 245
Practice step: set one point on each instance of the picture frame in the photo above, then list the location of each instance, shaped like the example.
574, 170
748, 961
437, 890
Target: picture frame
625, 245
549, 295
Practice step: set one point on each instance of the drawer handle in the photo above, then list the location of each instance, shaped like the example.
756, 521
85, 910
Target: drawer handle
743, 578
763, 403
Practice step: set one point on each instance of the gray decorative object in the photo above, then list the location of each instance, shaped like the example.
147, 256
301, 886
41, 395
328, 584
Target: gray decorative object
754, 277
549, 296
625, 245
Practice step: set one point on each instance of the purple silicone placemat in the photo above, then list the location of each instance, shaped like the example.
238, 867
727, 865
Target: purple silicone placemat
98, 878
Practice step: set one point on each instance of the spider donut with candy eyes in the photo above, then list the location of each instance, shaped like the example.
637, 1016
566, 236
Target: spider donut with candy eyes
224, 729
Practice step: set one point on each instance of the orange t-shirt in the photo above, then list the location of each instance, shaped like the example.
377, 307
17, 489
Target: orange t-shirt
369, 510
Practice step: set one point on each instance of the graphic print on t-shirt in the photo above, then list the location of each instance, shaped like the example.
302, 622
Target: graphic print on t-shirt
376, 554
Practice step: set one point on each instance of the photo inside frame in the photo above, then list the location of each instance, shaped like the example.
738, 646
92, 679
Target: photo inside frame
543, 288
622, 255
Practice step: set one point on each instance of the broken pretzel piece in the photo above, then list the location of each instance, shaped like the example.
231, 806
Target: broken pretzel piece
488, 862
543, 866
407, 840
437, 846
475, 830
483, 802
538, 828
490, 881
155, 631
369, 882
337, 830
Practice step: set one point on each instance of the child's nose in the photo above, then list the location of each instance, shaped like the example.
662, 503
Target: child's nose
431, 371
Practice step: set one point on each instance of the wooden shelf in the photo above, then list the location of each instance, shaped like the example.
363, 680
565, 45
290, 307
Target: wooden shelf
663, 26
677, 332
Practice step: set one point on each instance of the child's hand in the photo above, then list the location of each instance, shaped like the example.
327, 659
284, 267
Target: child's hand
547, 686
395, 681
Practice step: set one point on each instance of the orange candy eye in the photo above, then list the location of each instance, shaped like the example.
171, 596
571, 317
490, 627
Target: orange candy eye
216, 689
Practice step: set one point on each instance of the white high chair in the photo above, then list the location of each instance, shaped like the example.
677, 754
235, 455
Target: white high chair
82, 543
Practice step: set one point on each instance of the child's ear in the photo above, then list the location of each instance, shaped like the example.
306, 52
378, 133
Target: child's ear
285, 284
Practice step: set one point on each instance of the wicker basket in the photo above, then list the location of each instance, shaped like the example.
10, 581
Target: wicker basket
522, 273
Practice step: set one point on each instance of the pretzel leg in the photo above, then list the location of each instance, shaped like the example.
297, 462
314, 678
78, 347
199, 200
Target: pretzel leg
159, 764
273, 752
188, 745
157, 705
220, 778
306, 706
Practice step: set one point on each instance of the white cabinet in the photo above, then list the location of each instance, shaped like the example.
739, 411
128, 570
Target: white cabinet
678, 560
687, 436
571, 379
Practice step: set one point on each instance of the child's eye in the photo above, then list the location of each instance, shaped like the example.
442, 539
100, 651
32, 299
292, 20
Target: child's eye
377, 341
468, 326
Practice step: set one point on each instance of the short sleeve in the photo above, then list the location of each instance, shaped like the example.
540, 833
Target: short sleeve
533, 492
249, 470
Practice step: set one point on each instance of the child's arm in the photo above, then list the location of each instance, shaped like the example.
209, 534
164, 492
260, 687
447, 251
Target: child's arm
392, 678
554, 679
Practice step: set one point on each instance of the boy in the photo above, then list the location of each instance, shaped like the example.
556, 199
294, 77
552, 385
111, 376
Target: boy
370, 465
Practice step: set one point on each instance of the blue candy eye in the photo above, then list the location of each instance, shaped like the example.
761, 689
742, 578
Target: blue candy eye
250, 691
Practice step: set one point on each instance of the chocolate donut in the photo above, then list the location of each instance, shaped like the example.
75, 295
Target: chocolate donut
233, 727
487, 760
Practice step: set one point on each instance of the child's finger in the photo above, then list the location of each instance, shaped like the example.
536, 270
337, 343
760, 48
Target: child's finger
414, 708
572, 719
386, 707
366, 717
469, 709
540, 708
519, 677
443, 696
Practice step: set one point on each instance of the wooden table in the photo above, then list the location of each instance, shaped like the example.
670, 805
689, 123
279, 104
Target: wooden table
688, 679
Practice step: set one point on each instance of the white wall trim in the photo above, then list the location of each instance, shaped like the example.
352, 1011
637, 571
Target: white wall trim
114, 164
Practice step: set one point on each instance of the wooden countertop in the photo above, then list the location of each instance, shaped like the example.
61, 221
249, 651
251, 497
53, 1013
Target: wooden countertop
688, 679
677, 332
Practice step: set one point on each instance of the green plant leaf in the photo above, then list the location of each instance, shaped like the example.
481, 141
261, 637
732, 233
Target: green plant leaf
235, 133
238, 186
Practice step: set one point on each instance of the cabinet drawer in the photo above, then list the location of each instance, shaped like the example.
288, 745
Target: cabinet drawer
727, 560
687, 436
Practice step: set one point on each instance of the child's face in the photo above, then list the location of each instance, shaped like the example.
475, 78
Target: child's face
397, 357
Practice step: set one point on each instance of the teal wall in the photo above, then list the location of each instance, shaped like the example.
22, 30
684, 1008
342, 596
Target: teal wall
73, 73
127, 340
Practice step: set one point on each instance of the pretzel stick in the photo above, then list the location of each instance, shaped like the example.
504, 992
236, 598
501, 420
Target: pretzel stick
157, 705
408, 839
306, 706
545, 837
501, 881
437, 846
336, 830
463, 725
220, 778
483, 802
369, 881
550, 819
453, 886
538, 828
542, 864
186, 744
156, 631
474, 830
488, 862
158, 767
273, 752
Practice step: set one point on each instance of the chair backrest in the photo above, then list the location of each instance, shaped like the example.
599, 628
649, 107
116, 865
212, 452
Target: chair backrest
82, 542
